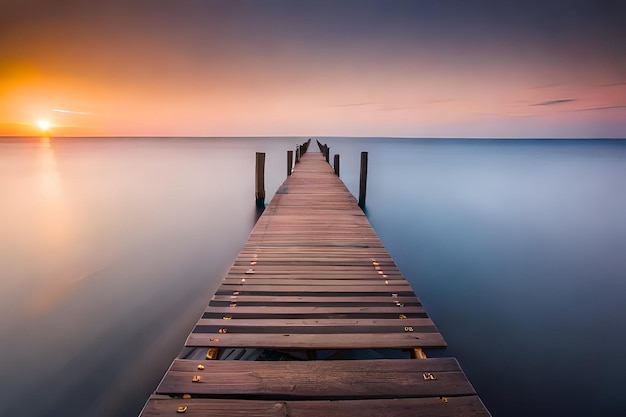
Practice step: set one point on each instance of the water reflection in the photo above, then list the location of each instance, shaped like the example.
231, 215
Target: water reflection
112, 248
55, 235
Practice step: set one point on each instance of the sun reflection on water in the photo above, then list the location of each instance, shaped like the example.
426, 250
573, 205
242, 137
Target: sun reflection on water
55, 227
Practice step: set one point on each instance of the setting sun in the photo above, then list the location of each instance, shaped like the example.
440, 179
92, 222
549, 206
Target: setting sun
43, 125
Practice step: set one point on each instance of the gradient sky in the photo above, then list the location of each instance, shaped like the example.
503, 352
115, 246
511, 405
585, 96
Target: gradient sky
422, 68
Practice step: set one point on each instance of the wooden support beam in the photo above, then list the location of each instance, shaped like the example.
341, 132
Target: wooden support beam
418, 353
259, 190
363, 180
289, 162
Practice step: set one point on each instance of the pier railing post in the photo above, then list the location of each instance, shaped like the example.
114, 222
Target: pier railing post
259, 189
363, 180
297, 154
289, 162
336, 164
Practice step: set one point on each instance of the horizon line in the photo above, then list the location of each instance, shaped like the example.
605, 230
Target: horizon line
304, 136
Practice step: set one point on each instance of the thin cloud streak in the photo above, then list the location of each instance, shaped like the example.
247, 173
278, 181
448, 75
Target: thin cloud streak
554, 102
602, 108
70, 111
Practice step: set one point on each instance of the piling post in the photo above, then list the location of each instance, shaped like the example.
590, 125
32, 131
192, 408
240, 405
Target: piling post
336, 164
259, 189
289, 162
363, 180
297, 153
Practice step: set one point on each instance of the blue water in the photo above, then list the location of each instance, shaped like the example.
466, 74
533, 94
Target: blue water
518, 251
110, 248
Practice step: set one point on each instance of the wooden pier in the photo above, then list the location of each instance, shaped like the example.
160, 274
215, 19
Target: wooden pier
314, 319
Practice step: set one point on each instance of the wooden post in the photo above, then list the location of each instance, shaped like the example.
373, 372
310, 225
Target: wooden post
259, 190
418, 353
327, 154
336, 164
289, 162
363, 181
298, 153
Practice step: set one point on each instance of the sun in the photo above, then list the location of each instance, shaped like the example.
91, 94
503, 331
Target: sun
43, 125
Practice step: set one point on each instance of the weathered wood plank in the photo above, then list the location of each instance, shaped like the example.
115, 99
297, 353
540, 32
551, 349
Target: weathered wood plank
356, 283
337, 302
467, 406
160, 407
314, 311
310, 289
316, 300
297, 277
233, 327
290, 322
406, 340
352, 379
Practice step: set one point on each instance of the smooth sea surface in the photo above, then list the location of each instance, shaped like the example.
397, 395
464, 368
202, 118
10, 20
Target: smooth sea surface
111, 247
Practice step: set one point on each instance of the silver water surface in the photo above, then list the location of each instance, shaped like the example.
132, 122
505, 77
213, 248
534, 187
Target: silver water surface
110, 249
517, 248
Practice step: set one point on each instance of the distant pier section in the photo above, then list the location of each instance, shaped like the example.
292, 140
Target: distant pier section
314, 318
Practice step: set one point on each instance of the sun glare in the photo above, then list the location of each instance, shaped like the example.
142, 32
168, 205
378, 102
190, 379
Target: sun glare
43, 125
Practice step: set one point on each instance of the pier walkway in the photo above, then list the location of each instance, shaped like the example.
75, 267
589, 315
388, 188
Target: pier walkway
314, 319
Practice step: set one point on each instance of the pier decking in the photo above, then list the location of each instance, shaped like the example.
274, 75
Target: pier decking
312, 290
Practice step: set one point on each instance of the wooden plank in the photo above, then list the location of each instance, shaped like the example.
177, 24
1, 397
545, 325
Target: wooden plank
290, 322
347, 379
162, 407
290, 277
377, 281
273, 289
277, 260
330, 302
468, 406
316, 300
406, 340
313, 272
314, 311
233, 327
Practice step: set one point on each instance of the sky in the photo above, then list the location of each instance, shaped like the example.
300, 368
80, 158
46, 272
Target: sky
422, 68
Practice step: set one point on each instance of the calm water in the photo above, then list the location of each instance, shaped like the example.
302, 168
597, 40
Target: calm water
110, 248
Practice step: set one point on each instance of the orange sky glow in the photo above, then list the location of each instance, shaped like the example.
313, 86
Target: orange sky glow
415, 69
